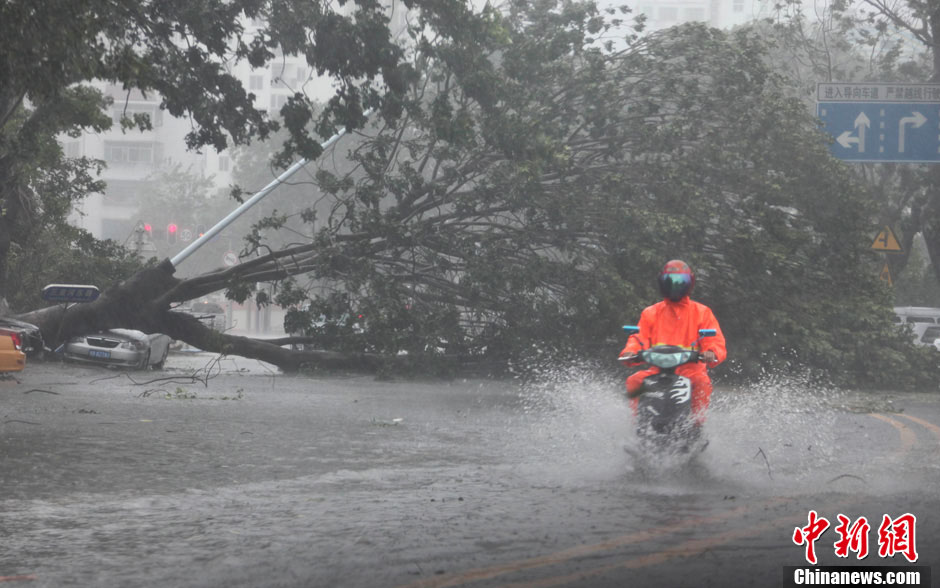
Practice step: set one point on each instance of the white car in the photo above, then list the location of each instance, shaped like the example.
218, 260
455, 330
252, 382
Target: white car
120, 347
930, 337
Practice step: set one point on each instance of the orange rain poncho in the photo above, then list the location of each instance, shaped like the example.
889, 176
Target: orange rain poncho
677, 323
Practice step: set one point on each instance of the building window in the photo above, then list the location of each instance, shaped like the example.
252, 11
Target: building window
122, 193
129, 110
668, 13
72, 149
256, 83
277, 101
738, 6
695, 13
128, 153
289, 76
224, 163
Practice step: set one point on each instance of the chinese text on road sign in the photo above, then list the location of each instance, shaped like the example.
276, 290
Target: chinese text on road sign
882, 122
70, 293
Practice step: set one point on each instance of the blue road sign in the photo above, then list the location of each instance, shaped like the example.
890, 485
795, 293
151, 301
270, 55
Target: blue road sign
70, 293
883, 131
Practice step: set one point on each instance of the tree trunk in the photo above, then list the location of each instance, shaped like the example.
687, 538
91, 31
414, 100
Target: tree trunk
142, 303
931, 221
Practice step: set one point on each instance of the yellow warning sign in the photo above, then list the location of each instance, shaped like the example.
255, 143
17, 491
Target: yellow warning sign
886, 275
887, 242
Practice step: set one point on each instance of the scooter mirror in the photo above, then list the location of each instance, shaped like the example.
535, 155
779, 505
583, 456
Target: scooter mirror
631, 329
705, 332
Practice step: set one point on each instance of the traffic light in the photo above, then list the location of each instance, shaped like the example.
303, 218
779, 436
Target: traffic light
171, 234
200, 230
149, 229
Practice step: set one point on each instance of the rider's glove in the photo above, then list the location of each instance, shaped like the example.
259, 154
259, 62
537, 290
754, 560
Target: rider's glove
709, 356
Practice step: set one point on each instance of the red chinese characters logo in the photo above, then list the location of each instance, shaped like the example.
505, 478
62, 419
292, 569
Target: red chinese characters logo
895, 536
852, 538
809, 534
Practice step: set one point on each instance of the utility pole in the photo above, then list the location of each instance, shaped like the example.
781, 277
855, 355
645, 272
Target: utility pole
219, 226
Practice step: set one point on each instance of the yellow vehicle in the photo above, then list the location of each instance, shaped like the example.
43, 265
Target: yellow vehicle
12, 358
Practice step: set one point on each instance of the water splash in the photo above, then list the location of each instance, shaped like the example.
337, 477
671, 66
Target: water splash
782, 434
574, 423
777, 433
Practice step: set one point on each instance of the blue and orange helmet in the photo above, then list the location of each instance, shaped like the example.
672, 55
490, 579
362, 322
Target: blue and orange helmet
676, 280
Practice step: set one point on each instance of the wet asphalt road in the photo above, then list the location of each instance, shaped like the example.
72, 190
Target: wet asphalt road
251, 478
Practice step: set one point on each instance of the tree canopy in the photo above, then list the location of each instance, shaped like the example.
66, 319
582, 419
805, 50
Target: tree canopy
535, 208
526, 174
865, 41
184, 52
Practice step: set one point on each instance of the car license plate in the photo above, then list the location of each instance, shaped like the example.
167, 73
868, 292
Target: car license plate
99, 354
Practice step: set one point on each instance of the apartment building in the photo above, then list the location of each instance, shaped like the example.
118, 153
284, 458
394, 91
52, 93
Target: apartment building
717, 13
135, 158
132, 158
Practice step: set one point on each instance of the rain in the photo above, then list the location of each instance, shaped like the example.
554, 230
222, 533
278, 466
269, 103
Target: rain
295, 293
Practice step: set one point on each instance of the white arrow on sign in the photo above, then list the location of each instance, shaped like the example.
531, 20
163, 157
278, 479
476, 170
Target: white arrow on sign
916, 121
846, 139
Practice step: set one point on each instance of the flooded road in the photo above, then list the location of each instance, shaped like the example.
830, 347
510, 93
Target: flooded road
251, 478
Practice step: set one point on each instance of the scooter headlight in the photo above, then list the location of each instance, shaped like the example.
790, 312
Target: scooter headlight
668, 360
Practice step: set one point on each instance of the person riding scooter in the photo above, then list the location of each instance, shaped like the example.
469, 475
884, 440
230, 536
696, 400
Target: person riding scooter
676, 321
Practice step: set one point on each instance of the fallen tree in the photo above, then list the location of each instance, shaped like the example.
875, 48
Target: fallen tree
527, 197
145, 302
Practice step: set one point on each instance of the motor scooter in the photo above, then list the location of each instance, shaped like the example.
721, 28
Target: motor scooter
664, 413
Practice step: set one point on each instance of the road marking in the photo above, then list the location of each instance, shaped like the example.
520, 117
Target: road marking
908, 437
926, 424
700, 545
687, 548
684, 549
582, 550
